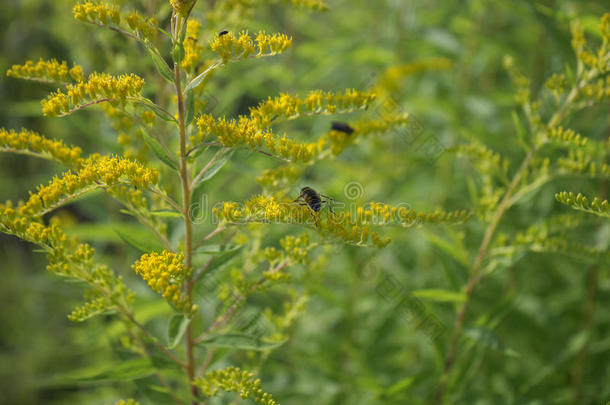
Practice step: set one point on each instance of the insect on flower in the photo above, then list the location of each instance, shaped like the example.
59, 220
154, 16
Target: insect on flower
224, 32
313, 200
342, 127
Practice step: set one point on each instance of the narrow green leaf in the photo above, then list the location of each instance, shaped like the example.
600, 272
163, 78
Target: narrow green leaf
166, 213
190, 107
440, 295
144, 242
176, 328
197, 80
213, 249
161, 113
160, 64
488, 338
158, 150
216, 166
240, 341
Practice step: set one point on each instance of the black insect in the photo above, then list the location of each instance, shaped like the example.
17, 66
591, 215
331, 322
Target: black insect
342, 127
221, 33
312, 199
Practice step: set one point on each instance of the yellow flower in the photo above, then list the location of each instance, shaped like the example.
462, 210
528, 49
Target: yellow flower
245, 133
165, 273
316, 102
233, 49
46, 71
192, 50
182, 6
99, 87
29, 142
233, 379
96, 13
95, 172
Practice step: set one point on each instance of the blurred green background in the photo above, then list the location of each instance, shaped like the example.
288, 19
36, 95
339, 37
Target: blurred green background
549, 342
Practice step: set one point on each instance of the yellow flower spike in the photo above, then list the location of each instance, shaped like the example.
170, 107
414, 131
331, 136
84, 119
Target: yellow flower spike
182, 6
31, 143
165, 273
46, 71
192, 50
99, 87
94, 172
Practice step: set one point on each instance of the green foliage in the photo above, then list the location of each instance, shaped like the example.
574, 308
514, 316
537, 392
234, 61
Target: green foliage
426, 277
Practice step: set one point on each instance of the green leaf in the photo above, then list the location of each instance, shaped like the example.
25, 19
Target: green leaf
158, 150
197, 80
160, 64
190, 107
161, 113
166, 213
210, 249
488, 338
125, 370
440, 295
220, 258
176, 328
142, 241
216, 166
240, 341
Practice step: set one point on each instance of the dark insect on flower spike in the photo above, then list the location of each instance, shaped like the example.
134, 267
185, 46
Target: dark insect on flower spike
221, 33
342, 127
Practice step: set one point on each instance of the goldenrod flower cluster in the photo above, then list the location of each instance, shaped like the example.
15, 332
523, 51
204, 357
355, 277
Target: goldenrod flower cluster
95, 172
233, 379
29, 142
485, 159
192, 50
165, 273
103, 14
99, 87
377, 213
90, 309
96, 13
568, 136
245, 133
230, 48
264, 209
296, 248
341, 226
145, 27
47, 71
599, 89
339, 140
316, 102
581, 202
581, 162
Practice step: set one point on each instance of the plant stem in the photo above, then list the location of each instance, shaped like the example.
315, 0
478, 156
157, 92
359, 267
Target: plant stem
186, 203
476, 268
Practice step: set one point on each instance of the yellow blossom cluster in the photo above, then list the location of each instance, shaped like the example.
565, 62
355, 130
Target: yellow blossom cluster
376, 213
233, 379
29, 142
262, 208
192, 50
165, 273
296, 248
89, 309
339, 140
581, 162
568, 136
352, 228
95, 172
145, 27
230, 48
580, 202
104, 14
47, 71
96, 13
316, 102
99, 87
245, 133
